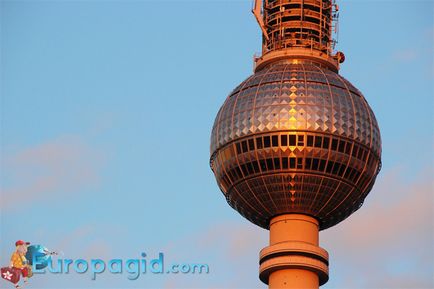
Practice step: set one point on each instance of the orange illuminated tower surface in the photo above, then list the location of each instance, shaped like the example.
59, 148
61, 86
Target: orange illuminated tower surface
295, 148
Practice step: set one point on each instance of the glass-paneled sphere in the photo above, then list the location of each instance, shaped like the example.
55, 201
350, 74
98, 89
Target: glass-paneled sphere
295, 138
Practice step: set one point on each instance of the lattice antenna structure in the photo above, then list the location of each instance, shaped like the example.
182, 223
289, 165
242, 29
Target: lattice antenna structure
298, 29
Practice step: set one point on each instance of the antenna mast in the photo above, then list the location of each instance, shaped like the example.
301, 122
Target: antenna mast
298, 29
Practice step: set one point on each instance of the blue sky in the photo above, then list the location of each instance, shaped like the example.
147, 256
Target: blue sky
106, 113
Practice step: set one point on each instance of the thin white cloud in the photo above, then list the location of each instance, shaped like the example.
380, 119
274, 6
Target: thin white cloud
405, 55
390, 239
49, 170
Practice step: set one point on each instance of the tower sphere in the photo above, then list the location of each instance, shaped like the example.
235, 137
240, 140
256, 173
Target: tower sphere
295, 137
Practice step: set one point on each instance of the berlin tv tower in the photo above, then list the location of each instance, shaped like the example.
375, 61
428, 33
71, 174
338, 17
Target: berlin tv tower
295, 148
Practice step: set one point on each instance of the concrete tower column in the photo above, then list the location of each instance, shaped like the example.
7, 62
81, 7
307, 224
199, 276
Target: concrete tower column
294, 259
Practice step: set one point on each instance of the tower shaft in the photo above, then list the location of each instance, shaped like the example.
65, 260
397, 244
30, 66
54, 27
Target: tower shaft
293, 259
